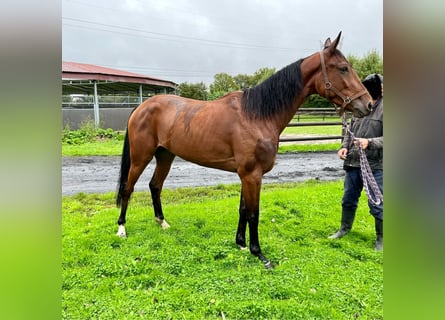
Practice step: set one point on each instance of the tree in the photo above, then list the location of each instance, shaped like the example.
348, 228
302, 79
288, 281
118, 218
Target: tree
243, 81
223, 84
262, 74
370, 63
316, 101
193, 90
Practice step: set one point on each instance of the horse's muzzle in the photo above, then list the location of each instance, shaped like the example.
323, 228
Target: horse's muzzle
361, 113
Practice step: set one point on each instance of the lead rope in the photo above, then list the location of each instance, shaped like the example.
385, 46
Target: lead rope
371, 188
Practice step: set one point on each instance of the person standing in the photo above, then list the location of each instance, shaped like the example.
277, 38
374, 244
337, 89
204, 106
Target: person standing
368, 131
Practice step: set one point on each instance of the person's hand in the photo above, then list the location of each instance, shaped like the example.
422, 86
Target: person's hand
363, 141
342, 153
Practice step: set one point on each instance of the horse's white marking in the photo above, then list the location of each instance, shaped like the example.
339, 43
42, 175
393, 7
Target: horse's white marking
243, 248
163, 223
121, 231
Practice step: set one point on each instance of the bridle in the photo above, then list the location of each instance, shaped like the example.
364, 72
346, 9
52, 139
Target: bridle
328, 86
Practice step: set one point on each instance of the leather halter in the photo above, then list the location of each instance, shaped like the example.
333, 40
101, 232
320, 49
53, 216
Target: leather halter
328, 85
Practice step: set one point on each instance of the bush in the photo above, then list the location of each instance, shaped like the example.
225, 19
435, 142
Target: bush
87, 133
106, 133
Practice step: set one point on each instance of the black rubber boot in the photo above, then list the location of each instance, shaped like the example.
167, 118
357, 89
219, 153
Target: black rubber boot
347, 219
378, 246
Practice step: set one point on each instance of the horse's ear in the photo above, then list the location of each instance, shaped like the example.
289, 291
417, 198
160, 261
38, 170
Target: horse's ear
334, 45
327, 43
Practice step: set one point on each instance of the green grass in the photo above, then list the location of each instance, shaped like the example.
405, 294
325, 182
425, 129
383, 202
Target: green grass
114, 148
193, 270
311, 147
104, 147
314, 130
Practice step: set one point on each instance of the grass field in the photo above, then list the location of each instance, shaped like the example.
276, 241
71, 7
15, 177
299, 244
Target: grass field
114, 148
195, 271
324, 130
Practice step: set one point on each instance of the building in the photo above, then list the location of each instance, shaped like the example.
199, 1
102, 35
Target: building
105, 95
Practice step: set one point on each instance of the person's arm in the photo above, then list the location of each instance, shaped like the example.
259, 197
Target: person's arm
342, 153
375, 143
344, 146
347, 137
346, 141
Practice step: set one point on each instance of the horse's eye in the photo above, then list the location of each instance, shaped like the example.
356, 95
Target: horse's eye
344, 70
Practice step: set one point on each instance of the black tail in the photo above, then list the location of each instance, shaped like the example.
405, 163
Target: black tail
125, 168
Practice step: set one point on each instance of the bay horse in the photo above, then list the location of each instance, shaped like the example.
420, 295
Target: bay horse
238, 132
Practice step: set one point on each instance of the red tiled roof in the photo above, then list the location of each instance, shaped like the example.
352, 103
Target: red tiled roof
83, 71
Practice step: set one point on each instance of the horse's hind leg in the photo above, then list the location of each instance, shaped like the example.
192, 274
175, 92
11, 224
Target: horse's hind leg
137, 166
164, 159
133, 176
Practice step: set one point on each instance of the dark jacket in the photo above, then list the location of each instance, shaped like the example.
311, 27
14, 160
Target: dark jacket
370, 127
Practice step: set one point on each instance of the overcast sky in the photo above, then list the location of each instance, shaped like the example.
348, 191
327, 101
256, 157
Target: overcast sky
192, 40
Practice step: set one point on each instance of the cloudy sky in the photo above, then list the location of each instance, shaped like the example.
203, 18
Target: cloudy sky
192, 40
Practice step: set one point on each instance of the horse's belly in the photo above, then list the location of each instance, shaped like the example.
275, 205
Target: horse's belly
226, 164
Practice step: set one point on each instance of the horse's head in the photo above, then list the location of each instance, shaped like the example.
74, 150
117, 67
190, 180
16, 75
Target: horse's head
339, 83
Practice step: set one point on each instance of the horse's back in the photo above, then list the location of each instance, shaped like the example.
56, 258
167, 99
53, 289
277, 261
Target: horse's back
187, 113
198, 131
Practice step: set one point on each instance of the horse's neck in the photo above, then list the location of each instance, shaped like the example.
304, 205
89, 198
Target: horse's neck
309, 68
283, 119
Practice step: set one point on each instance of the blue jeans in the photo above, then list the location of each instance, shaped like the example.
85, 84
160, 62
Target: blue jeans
353, 186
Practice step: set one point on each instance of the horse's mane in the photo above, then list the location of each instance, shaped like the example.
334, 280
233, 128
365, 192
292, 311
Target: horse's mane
275, 94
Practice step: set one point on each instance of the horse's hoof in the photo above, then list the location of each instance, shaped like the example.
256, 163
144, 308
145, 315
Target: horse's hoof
164, 225
242, 247
268, 265
121, 232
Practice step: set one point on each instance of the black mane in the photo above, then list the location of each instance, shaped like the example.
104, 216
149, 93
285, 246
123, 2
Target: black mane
275, 94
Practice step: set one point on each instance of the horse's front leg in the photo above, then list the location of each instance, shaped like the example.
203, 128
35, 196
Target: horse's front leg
242, 224
251, 187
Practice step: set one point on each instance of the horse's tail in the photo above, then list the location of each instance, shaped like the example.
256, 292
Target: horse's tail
125, 168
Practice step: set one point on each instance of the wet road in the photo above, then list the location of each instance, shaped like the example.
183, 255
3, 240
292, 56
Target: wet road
97, 174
